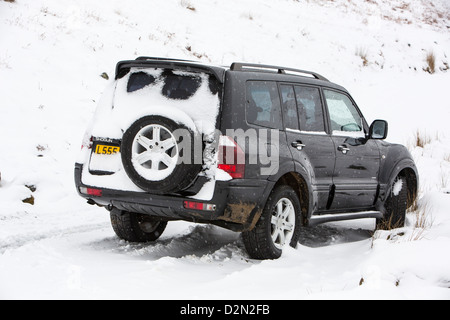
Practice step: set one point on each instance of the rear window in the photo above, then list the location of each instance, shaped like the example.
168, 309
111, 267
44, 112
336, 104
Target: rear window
263, 104
139, 80
176, 85
180, 87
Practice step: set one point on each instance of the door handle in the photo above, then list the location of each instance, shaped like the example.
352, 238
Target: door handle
298, 145
343, 148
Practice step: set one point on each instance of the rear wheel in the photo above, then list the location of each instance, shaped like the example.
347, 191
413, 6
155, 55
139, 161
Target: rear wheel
278, 226
395, 206
136, 227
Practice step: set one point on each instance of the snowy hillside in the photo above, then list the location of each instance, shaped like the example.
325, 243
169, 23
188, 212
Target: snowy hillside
54, 58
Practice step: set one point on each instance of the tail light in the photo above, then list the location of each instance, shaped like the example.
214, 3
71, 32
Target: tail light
91, 191
199, 206
87, 143
231, 158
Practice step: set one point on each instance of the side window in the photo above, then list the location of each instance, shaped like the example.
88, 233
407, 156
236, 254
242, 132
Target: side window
180, 87
289, 107
139, 80
310, 109
263, 104
343, 114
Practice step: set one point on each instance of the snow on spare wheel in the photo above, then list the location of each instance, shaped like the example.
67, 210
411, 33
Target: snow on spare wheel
144, 92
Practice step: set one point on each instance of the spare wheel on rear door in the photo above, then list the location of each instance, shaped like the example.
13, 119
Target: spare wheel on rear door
158, 155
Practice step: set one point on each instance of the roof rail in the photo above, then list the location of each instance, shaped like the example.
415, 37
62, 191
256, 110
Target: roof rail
161, 59
240, 66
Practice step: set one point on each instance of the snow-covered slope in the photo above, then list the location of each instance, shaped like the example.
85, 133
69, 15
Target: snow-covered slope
52, 56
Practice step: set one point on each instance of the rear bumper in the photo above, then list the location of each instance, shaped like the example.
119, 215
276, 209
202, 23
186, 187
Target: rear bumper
238, 203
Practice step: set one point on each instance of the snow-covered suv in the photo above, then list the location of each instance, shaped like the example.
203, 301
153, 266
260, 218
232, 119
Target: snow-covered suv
257, 149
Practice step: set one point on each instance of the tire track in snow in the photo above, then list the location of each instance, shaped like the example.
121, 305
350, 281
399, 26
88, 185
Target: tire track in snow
16, 242
199, 241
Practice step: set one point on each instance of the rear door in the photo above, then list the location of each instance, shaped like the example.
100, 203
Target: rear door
311, 147
357, 158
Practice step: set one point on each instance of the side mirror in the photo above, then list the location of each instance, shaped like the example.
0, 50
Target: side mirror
378, 130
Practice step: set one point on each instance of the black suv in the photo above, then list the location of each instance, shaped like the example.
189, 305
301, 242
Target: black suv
257, 149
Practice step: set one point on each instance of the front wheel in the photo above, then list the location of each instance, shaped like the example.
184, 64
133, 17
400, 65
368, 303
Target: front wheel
278, 226
395, 206
136, 227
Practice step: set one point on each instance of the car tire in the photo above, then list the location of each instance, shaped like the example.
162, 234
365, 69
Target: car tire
279, 225
152, 151
136, 227
395, 206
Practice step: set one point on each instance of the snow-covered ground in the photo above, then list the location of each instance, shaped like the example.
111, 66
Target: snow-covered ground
52, 55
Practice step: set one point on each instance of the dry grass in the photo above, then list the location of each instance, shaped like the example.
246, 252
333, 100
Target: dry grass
423, 221
414, 204
362, 53
186, 4
447, 157
247, 15
420, 215
423, 217
417, 234
390, 225
431, 63
421, 139
419, 220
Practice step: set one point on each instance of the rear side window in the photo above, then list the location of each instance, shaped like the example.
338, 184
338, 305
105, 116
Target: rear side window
310, 109
139, 80
263, 104
289, 107
176, 85
180, 87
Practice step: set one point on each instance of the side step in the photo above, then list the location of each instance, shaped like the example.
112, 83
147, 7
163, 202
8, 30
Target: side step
315, 220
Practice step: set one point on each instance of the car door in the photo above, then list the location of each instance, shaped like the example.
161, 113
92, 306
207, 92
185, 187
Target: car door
311, 147
357, 158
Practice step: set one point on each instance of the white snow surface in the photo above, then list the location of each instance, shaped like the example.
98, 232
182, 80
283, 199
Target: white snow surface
52, 54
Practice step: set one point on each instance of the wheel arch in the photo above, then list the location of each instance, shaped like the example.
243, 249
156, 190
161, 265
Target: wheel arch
301, 187
397, 162
408, 170
412, 184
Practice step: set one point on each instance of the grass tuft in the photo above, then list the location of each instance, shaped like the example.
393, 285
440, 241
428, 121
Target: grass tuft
431, 63
362, 53
186, 4
421, 139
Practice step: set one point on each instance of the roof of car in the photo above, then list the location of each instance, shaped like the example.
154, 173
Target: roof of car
272, 72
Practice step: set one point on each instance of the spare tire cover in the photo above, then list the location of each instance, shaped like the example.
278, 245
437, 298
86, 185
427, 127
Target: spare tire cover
158, 155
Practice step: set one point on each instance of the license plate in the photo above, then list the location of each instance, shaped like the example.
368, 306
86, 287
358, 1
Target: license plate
105, 149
